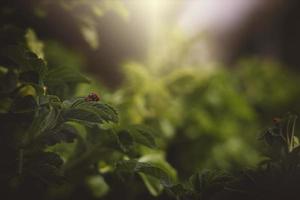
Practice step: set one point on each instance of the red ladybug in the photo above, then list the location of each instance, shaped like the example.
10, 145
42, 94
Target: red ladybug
92, 97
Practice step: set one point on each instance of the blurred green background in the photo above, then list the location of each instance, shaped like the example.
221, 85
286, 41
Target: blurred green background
207, 86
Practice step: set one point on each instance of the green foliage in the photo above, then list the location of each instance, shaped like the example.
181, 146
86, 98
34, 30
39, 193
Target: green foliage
201, 113
275, 177
54, 145
47, 142
144, 168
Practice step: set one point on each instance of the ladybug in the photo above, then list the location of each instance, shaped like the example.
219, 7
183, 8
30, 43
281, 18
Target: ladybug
92, 97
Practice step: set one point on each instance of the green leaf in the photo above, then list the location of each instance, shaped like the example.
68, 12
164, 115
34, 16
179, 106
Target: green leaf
142, 135
208, 182
49, 158
82, 114
48, 99
156, 172
25, 59
66, 133
153, 185
45, 119
133, 166
96, 112
59, 75
97, 185
105, 111
125, 140
182, 191
44, 166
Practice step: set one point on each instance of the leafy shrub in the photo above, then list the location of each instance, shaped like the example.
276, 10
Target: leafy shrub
48, 143
207, 118
276, 177
54, 145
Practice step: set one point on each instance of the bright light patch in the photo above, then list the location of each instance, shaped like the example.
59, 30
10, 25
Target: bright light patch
153, 12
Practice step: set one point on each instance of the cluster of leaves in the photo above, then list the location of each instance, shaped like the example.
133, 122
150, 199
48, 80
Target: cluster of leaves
193, 112
202, 113
276, 177
56, 147
47, 142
